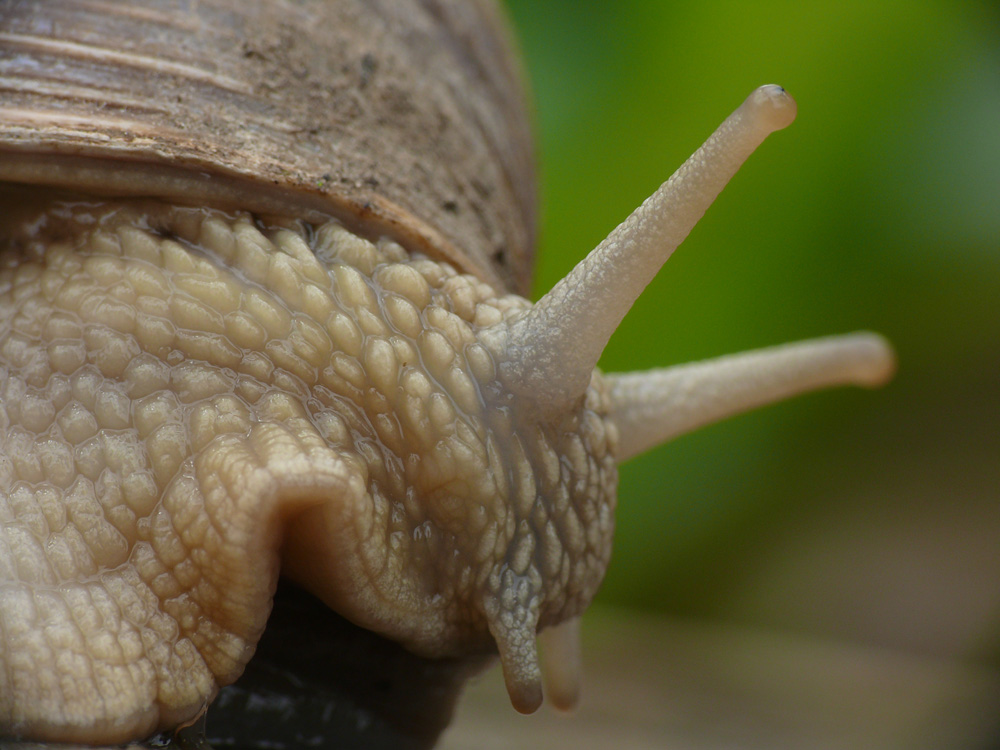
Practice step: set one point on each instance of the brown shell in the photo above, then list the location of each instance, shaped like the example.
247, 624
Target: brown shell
401, 118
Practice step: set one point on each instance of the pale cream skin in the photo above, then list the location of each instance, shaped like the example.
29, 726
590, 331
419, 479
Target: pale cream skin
191, 401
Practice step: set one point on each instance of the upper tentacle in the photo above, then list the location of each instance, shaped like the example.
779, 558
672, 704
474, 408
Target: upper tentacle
550, 351
652, 407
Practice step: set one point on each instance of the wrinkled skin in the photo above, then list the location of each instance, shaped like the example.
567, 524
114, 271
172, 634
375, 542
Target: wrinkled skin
192, 401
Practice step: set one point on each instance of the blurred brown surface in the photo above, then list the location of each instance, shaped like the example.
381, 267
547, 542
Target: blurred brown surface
654, 682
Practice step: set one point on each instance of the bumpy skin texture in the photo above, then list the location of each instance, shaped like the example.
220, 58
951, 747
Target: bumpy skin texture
191, 400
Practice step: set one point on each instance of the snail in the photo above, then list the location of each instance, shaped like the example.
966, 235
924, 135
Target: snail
262, 312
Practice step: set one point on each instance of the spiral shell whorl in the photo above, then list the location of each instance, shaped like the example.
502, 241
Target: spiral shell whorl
400, 119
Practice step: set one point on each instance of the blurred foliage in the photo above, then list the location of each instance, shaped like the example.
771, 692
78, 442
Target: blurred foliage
848, 512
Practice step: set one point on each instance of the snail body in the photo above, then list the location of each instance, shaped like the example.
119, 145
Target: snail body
235, 352
253, 378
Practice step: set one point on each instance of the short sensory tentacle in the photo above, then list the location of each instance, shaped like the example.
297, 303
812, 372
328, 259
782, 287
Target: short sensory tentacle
513, 621
562, 668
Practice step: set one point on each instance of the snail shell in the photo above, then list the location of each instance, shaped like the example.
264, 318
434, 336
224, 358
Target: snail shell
403, 120
271, 324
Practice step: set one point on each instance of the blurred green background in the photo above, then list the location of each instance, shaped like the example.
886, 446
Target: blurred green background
871, 517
